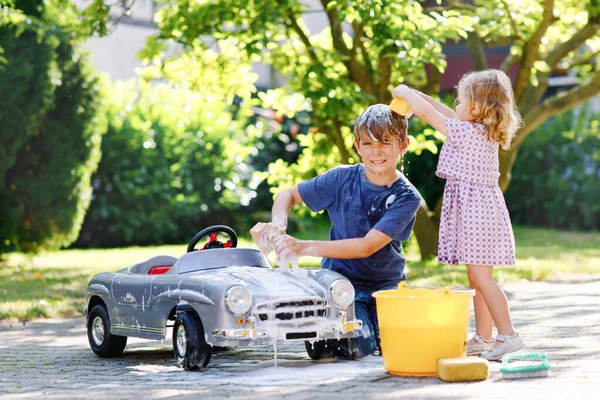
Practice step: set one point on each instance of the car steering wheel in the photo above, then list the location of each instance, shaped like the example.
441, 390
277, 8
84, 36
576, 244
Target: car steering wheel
213, 242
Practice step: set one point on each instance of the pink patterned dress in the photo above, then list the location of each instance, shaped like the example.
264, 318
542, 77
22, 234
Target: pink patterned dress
475, 226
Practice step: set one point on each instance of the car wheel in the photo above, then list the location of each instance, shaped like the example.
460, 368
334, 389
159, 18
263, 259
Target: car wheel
321, 349
102, 342
189, 346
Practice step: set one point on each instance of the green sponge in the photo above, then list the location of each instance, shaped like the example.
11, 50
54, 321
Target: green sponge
462, 369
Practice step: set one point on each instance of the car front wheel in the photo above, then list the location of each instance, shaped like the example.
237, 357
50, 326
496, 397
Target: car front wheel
189, 346
102, 342
321, 349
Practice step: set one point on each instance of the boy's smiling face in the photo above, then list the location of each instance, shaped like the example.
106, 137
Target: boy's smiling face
380, 157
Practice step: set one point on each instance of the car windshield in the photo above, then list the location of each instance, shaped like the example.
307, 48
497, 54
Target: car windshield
219, 258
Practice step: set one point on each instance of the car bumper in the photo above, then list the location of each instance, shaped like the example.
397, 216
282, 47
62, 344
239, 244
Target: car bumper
256, 330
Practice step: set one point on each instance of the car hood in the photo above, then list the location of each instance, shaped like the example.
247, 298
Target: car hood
272, 283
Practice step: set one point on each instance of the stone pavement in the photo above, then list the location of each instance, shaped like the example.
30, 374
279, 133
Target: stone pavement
52, 359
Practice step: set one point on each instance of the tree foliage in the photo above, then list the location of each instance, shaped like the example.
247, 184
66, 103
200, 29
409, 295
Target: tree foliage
51, 127
557, 174
172, 163
369, 45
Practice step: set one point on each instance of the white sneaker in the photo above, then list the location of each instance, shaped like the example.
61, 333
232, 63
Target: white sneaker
510, 344
481, 346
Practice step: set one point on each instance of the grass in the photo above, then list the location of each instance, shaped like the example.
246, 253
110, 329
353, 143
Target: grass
54, 284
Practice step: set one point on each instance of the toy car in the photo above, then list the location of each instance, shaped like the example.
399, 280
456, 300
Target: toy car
219, 295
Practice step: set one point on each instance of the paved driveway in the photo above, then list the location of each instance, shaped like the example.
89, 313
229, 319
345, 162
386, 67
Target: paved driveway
52, 359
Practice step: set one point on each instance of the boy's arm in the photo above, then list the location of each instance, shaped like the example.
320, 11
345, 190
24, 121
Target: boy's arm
422, 108
264, 233
283, 203
287, 246
438, 105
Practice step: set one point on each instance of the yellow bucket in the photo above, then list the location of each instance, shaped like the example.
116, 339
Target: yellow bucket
418, 326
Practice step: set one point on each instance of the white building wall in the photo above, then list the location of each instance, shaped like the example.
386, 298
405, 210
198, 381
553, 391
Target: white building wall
116, 53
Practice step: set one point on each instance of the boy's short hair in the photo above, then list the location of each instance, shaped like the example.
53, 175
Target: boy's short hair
379, 120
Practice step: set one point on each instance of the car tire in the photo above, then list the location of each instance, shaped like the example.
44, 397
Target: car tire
102, 342
321, 349
189, 346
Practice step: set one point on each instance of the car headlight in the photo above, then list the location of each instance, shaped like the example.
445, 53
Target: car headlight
238, 300
342, 293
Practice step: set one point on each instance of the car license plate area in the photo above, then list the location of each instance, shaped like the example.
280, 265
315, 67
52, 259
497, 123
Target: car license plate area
300, 335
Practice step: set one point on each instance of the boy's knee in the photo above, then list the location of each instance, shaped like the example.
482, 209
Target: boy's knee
365, 342
357, 347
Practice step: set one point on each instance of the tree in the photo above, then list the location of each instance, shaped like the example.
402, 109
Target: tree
51, 127
370, 45
171, 162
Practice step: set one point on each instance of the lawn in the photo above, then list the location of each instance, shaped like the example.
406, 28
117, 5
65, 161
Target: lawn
54, 284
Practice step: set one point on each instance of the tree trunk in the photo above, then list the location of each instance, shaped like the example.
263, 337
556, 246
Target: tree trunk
426, 231
507, 160
336, 133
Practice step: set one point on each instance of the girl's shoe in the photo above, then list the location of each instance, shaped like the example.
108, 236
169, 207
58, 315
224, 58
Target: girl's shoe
509, 344
481, 346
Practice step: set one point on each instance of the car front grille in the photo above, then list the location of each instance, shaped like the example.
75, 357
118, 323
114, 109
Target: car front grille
292, 309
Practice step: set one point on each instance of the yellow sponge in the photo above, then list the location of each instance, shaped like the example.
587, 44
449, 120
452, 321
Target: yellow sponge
400, 106
462, 369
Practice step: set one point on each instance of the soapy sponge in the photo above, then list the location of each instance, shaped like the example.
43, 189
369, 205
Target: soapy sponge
400, 106
462, 369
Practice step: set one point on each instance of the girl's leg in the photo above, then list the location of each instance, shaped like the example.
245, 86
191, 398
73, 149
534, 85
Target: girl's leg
482, 280
483, 318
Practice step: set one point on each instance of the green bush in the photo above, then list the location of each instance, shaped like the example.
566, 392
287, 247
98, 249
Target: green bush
557, 175
172, 164
51, 128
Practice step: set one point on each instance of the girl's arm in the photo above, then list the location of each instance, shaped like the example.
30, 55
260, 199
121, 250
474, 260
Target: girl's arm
287, 246
422, 108
438, 105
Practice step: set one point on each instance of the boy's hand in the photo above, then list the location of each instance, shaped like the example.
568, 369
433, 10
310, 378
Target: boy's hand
263, 235
288, 247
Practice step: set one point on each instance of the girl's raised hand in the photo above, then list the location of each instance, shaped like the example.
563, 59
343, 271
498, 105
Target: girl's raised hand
422, 107
400, 90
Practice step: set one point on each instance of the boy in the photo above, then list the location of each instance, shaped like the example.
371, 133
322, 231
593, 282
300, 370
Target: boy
372, 207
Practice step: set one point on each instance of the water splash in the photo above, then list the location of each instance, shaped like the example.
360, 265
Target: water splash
284, 265
295, 265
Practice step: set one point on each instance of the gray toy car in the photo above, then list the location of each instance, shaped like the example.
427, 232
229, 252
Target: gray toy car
221, 296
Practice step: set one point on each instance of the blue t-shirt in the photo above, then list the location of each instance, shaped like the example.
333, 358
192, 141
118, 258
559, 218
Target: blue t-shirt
355, 206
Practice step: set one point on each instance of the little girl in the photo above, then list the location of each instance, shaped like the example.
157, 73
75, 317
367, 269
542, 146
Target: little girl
475, 227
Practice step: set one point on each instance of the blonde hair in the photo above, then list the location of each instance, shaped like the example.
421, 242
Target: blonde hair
378, 121
492, 91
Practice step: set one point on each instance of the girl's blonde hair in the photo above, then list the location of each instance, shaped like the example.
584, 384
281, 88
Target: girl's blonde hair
492, 91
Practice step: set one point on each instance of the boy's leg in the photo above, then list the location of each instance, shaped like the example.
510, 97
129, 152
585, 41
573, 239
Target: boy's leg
364, 344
